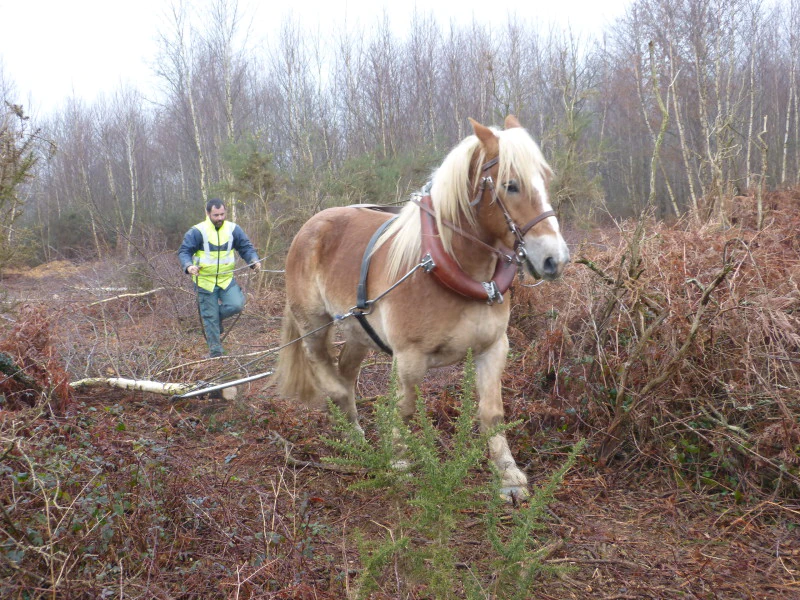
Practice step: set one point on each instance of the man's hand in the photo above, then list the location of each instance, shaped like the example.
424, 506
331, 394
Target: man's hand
193, 270
256, 266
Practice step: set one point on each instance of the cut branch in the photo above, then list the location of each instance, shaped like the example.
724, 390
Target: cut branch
139, 385
139, 295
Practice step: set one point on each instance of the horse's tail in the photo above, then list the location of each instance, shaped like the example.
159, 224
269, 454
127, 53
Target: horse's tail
295, 375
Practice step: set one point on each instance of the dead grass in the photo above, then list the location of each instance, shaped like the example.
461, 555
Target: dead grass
681, 353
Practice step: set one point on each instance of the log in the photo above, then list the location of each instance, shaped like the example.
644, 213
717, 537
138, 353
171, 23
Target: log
140, 385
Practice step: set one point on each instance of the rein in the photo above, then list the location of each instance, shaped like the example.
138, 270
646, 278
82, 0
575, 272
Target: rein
427, 206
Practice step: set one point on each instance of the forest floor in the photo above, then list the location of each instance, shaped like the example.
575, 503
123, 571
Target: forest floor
242, 492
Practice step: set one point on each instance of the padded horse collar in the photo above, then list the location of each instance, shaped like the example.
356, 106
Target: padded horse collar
448, 272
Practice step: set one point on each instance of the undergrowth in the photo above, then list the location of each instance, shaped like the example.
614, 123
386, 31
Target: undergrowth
678, 347
65, 497
436, 494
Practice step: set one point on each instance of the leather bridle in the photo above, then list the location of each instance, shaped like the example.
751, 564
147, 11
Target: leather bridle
447, 271
520, 253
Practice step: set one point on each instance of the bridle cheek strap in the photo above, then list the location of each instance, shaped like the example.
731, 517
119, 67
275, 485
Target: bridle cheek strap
451, 275
519, 232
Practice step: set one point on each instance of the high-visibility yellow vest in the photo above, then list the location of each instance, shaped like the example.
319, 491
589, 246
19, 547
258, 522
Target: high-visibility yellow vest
216, 266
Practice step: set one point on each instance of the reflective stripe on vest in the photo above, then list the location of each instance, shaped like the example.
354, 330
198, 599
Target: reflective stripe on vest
216, 266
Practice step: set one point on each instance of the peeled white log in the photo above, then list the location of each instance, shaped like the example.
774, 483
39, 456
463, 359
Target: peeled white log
140, 385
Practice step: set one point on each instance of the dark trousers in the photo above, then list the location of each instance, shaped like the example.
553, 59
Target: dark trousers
216, 306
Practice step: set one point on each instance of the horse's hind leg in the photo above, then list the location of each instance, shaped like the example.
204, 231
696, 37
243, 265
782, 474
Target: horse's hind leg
330, 381
489, 368
350, 359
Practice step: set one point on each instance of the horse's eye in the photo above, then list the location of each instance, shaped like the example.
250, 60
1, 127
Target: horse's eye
512, 187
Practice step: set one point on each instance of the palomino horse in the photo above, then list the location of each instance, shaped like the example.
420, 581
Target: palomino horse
489, 195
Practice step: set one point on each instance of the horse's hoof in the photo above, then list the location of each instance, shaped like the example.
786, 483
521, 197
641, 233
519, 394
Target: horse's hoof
514, 494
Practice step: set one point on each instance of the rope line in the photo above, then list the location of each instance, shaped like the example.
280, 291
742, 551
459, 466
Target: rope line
426, 263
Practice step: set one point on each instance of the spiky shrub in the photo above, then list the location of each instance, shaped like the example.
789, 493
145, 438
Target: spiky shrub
434, 495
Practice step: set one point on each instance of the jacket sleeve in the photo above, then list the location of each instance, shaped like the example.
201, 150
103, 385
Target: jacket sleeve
192, 242
242, 244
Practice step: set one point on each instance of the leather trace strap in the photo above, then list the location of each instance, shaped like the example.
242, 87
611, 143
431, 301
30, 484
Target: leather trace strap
451, 275
363, 306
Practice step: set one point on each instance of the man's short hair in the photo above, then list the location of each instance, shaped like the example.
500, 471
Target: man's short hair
214, 203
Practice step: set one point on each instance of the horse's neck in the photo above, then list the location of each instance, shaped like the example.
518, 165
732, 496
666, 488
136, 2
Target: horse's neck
476, 261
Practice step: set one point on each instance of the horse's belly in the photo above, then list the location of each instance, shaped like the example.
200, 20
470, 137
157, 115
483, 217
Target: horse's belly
445, 338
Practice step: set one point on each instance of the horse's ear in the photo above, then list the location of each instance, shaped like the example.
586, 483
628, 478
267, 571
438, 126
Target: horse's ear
486, 136
511, 121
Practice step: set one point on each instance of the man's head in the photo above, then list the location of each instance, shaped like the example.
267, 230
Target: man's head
215, 209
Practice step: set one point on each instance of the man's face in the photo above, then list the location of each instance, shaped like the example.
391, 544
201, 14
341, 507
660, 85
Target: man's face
217, 216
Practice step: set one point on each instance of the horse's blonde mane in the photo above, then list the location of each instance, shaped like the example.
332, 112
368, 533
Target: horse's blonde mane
520, 158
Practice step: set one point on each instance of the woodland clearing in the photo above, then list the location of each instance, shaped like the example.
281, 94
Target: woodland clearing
687, 488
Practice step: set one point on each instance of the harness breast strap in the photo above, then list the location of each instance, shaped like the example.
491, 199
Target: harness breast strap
361, 290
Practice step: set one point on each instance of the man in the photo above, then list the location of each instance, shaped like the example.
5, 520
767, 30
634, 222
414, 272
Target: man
207, 254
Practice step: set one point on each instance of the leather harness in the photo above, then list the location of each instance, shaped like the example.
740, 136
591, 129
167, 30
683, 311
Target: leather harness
444, 268
362, 304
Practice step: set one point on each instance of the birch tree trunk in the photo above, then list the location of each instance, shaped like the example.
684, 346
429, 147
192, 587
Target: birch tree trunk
223, 28
177, 69
130, 153
685, 152
787, 128
752, 95
662, 107
763, 176
89, 199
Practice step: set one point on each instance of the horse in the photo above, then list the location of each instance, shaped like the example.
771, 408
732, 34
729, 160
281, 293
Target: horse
436, 276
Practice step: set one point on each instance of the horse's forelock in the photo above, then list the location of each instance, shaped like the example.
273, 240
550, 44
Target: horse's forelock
521, 159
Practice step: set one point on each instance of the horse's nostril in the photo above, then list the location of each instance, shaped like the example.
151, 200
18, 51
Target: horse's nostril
550, 266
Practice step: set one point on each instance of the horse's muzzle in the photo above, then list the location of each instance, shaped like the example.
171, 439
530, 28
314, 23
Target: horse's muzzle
545, 258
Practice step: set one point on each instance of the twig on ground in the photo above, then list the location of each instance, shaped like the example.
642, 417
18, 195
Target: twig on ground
139, 295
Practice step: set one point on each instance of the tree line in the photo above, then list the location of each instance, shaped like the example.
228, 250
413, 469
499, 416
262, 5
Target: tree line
678, 106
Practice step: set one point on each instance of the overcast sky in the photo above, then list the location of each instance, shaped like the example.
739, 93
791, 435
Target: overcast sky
54, 49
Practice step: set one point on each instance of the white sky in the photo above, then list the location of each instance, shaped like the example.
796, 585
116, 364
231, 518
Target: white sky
55, 49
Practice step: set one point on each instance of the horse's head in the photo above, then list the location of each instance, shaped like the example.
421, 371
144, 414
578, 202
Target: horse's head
510, 182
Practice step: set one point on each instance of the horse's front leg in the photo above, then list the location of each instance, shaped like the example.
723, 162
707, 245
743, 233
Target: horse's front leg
489, 367
411, 367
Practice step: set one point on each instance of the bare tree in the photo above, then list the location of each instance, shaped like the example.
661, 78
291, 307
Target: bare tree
222, 33
176, 67
423, 51
383, 86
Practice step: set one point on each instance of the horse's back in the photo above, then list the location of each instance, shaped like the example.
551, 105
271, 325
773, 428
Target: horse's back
326, 253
